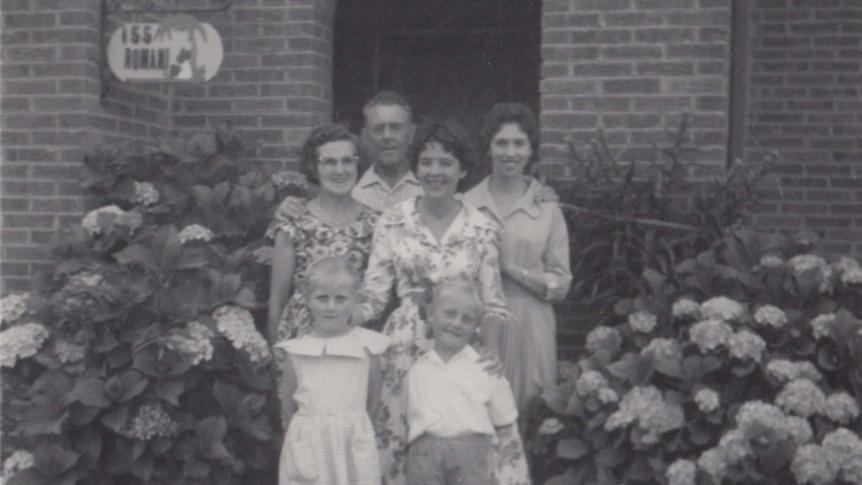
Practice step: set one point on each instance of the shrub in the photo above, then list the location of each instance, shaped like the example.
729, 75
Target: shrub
742, 364
137, 359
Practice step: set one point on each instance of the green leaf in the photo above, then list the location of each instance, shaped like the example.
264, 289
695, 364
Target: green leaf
170, 390
630, 367
654, 279
53, 459
211, 429
134, 383
572, 449
91, 391
115, 419
140, 255
143, 467
28, 476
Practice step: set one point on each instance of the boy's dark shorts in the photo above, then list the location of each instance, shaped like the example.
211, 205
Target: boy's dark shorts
465, 459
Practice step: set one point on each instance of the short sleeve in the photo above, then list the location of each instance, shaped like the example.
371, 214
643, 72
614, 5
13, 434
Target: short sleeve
375, 342
501, 407
287, 225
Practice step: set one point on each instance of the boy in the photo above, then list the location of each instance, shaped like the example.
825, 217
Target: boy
454, 405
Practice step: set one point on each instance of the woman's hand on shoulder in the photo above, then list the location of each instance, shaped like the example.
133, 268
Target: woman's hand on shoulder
490, 358
546, 194
290, 208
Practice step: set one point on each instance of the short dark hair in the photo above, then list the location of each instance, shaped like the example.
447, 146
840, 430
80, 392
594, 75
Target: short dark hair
452, 137
321, 135
502, 113
388, 98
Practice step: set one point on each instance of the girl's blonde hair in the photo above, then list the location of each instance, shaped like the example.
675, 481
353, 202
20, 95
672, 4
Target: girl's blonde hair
326, 268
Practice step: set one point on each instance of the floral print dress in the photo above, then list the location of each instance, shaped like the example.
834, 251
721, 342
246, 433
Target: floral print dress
314, 239
406, 255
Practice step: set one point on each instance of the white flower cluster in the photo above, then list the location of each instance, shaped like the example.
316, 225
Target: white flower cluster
820, 325
589, 383
803, 263
290, 179
146, 193
801, 397
837, 458
654, 414
770, 315
850, 270
771, 261
642, 321
150, 422
746, 345
707, 400
237, 325
21, 342
17, 461
551, 426
842, 408
721, 308
90, 222
681, 472
662, 349
710, 334
602, 338
68, 352
784, 370
12, 307
685, 307
194, 341
263, 255
195, 232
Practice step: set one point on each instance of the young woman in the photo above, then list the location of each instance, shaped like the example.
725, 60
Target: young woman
333, 224
535, 249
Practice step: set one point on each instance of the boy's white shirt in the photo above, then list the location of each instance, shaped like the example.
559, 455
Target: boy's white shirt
457, 397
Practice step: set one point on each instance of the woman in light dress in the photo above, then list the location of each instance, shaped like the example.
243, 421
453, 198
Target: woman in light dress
534, 250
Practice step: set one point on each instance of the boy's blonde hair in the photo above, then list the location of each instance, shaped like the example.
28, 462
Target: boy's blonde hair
328, 267
457, 285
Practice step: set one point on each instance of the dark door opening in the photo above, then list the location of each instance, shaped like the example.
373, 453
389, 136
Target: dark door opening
448, 58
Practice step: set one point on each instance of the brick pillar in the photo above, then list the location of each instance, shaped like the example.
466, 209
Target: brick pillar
50, 82
630, 67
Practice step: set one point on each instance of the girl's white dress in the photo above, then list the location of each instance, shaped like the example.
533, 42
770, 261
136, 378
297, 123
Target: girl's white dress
330, 440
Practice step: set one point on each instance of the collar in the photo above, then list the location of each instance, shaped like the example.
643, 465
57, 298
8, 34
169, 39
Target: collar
370, 178
480, 197
468, 353
408, 211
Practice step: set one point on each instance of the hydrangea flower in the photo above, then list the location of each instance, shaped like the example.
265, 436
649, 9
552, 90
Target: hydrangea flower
150, 422
798, 429
783, 370
721, 308
707, 400
602, 338
195, 232
734, 446
746, 345
770, 315
590, 382
90, 222
801, 397
607, 395
551, 426
12, 307
852, 277
681, 472
850, 270
642, 321
685, 307
237, 325
654, 415
845, 448
17, 461
771, 261
710, 334
263, 255
290, 179
194, 341
68, 352
713, 463
759, 413
842, 408
803, 263
567, 371
21, 342
146, 193
663, 349
812, 464
821, 325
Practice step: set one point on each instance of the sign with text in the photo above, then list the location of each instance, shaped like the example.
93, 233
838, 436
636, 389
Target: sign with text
179, 49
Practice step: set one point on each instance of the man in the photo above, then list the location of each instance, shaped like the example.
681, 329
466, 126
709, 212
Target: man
386, 138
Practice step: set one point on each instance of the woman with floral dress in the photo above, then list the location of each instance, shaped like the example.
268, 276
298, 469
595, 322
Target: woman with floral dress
333, 224
535, 250
419, 243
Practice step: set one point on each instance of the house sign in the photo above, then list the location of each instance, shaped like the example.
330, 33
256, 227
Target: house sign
178, 49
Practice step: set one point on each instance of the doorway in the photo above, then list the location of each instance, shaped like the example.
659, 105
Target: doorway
447, 58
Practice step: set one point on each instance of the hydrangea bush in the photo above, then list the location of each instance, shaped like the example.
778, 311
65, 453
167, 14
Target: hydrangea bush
740, 365
137, 358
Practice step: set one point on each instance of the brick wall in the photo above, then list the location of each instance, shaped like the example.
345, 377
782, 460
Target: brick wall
805, 100
274, 84
630, 67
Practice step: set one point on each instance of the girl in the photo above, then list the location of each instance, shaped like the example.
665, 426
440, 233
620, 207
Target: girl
329, 386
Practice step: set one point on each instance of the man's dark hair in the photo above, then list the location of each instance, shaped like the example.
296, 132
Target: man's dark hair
388, 98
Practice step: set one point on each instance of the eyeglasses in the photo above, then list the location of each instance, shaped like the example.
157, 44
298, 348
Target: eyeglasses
333, 161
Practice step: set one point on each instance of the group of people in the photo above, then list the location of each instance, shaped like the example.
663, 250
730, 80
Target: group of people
458, 279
